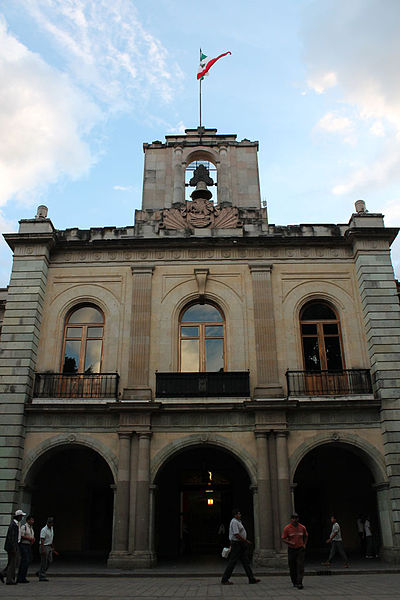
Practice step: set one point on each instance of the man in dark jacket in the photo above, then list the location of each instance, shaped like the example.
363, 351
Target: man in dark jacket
12, 548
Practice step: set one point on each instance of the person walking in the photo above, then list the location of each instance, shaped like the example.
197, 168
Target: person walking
295, 536
369, 539
11, 546
46, 548
361, 534
25, 548
335, 539
239, 549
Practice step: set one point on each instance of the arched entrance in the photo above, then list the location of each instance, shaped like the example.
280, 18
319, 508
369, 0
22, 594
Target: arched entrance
333, 480
196, 491
73, 484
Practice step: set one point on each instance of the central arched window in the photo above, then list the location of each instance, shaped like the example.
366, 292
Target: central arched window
83, 340
201, 339
320, 333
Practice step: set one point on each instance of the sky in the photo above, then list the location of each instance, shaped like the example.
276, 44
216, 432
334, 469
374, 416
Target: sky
85, 82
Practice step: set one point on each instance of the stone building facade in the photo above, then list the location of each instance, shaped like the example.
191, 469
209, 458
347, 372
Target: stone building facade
154, 376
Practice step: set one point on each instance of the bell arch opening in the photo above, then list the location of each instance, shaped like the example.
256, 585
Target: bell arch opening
196, 490
74, 485
335, 479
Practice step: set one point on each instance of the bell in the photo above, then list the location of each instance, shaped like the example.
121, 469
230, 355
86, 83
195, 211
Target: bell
201, 191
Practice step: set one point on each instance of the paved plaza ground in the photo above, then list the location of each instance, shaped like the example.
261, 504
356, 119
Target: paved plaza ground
382, 586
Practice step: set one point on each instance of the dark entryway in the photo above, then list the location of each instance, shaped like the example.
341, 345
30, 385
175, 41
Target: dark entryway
333, 480
196, 491
73, 485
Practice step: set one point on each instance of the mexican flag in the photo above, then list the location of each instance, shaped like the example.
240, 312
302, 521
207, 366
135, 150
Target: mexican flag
206, 63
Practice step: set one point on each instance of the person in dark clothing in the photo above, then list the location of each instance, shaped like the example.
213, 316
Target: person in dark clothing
11, 546
25, 549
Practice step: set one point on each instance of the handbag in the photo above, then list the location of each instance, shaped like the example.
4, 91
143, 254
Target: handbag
225, 552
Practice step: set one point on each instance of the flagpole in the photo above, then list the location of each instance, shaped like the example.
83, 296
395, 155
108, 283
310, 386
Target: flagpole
200, 92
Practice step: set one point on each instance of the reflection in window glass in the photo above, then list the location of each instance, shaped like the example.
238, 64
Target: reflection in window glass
190, 356
201, 313
86, 314
93, 356
83, 345
205, 351
214, 355
71, 357
322, 349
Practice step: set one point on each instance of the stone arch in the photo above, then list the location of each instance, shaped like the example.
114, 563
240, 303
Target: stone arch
36, 457
299, 294
363, 449
54, 319
220, 293
182, 444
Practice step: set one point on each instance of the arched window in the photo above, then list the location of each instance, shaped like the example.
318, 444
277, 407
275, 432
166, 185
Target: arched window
321, 338
83, 340
201, 339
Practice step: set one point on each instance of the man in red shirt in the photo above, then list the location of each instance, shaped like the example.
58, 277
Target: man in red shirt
295, 536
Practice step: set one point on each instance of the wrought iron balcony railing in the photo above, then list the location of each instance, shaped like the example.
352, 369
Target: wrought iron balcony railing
329, 383
76, 385
221, 383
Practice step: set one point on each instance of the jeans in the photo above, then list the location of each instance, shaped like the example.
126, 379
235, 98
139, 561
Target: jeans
239, 551
337, 547
45, 560
296, 558
26, 553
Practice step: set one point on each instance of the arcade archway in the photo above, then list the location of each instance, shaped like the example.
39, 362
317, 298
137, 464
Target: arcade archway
334, 480
73, 484
196, 491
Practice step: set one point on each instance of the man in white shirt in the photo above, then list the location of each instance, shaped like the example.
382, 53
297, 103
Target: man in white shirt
239, 549
335, 539
25, 545
46, 548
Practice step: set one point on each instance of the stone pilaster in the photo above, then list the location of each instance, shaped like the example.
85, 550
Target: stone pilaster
121, 508
274, 492
282, 465
142, 555
18, 351
264, 325
179, 176
265, 535
138, 386
381, 315
385, 521
223, 177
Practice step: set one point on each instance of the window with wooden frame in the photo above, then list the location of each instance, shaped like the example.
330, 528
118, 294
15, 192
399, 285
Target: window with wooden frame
321, 337
201, 339
83, 340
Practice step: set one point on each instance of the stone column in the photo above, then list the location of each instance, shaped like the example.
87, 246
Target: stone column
274, 493
268, 385
223, 183
138, 378
142, 554
121, 511
284, 496
19, 345
383, 501
179, 177
381, 314
264, 498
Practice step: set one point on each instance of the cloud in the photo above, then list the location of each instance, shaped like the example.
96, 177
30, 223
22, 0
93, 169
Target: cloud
107, 49
333, 122
43, 122
123, 188
179, 128
107, 62
351, 51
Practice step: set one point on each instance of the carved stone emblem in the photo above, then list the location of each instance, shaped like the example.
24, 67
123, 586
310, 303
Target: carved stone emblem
200, 213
